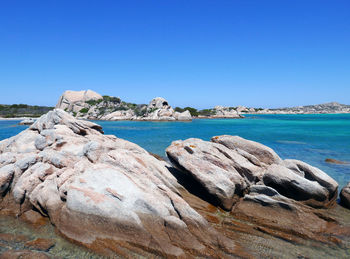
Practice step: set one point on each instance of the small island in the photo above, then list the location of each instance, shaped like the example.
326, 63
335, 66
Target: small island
89, 105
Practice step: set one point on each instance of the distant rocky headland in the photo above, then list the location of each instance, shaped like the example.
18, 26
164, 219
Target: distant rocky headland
326, 108
90, 105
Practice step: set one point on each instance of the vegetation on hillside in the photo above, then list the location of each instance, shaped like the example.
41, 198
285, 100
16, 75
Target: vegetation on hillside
194, 112
23, 110
110, 104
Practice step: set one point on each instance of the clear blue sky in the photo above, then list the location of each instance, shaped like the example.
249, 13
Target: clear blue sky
200, 53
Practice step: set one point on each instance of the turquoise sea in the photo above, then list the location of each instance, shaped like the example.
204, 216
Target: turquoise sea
311, 138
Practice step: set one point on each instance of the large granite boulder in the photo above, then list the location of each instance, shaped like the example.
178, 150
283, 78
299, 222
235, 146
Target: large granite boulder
345, 196
183, 116
74, 101
100, 190
228, 165
210, 165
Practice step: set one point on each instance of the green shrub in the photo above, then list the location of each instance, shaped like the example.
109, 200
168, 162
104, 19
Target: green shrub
84, 110
111, 99
152, 110
192, 110
17, 106
206, 112
178, 109
93, 102
140, 111
121, 108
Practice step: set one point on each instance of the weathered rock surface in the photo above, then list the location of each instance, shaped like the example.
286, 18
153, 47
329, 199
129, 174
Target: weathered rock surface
345, 196
229, 165
97, 188
259, 151
208, 164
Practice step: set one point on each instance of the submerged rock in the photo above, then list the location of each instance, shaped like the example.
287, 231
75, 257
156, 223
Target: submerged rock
28, 121
334, 161
101, 190
23, 254
40, 244
229, 165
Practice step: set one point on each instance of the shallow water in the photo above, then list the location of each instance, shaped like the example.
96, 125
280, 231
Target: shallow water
62, 248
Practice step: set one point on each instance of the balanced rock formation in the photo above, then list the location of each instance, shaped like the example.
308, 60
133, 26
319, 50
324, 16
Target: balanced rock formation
345, 196
100, 190
228, 166
159, 110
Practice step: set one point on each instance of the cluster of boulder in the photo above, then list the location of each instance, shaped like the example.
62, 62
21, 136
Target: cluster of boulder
93, 106
103, 191
228, 167
157, 110
226, 112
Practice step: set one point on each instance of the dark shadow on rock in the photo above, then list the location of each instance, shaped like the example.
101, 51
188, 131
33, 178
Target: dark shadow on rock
190, 184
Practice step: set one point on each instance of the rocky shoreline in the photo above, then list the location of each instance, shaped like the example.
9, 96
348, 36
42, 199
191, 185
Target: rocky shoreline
115, 198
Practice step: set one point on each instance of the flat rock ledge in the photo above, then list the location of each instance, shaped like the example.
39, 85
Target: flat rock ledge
101, 191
